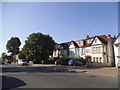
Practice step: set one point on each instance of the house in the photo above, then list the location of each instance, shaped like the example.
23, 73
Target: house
116, 50
97, 49
81, 44
84, 47
110, 51
74, 49
93, 49
101, 49
60, 50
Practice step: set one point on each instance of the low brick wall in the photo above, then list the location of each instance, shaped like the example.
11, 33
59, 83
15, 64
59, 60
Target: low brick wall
106, 64
96, 64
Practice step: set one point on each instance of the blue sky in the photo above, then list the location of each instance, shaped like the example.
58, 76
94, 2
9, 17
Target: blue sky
63, 21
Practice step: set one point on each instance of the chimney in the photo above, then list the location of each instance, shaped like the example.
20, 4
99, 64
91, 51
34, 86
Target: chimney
87, 37
109, 36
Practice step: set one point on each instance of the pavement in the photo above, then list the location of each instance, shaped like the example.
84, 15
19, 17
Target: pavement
104, 71
43, 76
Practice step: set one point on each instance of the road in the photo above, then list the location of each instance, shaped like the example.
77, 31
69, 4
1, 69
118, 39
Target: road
14, 76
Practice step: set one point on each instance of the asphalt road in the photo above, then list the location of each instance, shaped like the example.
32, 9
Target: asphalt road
14, 76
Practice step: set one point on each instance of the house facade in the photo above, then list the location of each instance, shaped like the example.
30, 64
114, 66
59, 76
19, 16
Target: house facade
116, 50
93, 49
74, 49
61, 50
102, 50
85, 47
99, 50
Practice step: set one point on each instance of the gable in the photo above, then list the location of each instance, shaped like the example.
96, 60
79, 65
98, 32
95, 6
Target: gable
73, 45
117, 41
96, 41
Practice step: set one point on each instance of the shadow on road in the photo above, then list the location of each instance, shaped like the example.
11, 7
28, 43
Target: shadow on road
51, 69
11, 82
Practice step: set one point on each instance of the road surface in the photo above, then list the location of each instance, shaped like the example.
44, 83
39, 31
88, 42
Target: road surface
14, 76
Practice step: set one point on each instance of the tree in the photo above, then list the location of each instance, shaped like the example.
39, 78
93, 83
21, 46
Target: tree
13, 45
3, 56
21, 55
38, 47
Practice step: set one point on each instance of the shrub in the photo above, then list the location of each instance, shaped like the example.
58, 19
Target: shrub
9, 61
49, 62
63, 60
80, 59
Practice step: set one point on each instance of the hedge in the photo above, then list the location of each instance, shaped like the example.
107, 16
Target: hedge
64, 60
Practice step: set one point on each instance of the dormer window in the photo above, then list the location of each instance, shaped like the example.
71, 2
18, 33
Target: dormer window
71, 43
80, 43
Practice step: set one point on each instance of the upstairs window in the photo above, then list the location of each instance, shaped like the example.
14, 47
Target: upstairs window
100, 59
93, 59
71, 43
81, 43
95, 40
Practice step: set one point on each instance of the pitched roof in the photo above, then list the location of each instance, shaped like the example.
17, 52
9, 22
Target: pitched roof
104, 37
64, 45
117, 38
75, 44
102, 40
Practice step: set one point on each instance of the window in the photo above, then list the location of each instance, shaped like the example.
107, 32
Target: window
100, 59
93, 59
87, 50
96, 59
80, 43
71, 44
95, 40
89, 41
93, 50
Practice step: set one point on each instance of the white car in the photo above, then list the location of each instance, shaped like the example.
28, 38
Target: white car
22, 62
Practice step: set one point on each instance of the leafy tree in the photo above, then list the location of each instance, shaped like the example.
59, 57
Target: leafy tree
3, 56
21, 55
13, 45
38, 47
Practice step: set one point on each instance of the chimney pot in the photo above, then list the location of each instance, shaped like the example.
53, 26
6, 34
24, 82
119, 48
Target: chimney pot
87, 36
109, 35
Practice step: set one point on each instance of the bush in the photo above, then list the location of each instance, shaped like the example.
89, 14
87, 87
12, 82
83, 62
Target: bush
63, 60
49, 62
9, 61
80, 59
21, 55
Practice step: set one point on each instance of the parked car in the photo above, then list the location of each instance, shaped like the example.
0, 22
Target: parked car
22, 62
74, 62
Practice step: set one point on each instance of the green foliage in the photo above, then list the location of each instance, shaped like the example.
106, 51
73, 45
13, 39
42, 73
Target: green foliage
80, 59
21, 55
64, 60
13, 45
38, 47
3, 56
10, 60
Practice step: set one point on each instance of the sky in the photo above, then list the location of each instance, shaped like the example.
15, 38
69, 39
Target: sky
64, 21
